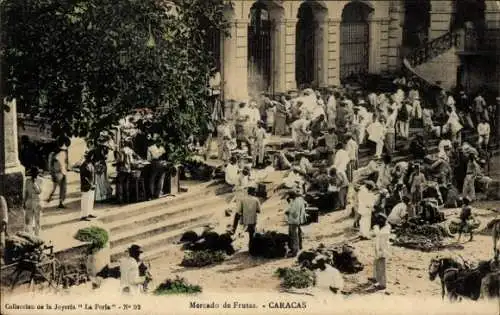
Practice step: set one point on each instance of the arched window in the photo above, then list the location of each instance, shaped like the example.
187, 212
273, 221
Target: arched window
259, 48
354, 40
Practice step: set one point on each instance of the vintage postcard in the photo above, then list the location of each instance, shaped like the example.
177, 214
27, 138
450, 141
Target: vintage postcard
250, 157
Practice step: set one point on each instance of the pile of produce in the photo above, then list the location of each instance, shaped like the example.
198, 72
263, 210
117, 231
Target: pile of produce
270, 244
208, 241
97, 236
296, 278
424, 237
176, 286
342, 257
23, 245
202, 258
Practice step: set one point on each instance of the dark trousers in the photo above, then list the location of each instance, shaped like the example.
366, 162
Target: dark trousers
59, 180
295, 235
122, 187
251, 233
157, 174
249, 145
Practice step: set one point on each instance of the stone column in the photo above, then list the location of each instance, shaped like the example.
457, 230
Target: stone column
441, 16
333, 49
396, 13
242, 58
290, 29
322, 47
13, 179
375, 38
278, 51
236, 61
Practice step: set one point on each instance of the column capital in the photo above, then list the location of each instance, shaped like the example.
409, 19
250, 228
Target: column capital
334, 21
241, 22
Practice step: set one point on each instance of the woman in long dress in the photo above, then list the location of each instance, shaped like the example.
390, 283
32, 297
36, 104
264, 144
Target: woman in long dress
103, 189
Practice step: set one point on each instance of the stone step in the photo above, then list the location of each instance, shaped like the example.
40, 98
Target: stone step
154, 246
138, 209
162, 213
158, 245
143, 232
109, 212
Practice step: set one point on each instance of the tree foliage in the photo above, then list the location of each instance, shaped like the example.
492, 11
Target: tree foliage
84, 64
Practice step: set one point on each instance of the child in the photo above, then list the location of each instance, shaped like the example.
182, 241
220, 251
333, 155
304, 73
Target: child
32, 205
483, 129
331, 141
258, 147
270, 112
417, 185
465, 216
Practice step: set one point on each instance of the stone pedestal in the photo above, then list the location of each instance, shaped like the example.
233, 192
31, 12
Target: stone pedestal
13, 179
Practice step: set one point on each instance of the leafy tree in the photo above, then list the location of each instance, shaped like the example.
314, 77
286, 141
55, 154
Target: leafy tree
85, 64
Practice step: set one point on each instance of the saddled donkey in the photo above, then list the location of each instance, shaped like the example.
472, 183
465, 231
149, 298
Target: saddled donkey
466, 283
438, 267
494, 226
490, 286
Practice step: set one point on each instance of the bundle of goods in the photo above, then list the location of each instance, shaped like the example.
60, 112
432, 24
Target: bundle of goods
429, 211
208, 241
341, 257
202, 258
431, 191
324, 202
420, 236
296, 278
471, 225
23, 246
176, 286
196, 170
270, 244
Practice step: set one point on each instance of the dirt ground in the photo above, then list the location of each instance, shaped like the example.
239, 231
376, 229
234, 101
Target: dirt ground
407, 270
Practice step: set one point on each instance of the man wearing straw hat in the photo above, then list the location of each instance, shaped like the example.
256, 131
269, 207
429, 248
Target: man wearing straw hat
248, 209
87, 187
58, 166
382, 232
296, 216
131, 281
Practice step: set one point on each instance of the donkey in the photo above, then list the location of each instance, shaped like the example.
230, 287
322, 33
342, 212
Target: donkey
439, 266
494, 225
467, 283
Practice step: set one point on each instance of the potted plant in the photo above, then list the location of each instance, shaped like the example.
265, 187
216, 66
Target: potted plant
99, 253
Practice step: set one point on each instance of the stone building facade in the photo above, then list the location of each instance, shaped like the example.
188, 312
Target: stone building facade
277, 46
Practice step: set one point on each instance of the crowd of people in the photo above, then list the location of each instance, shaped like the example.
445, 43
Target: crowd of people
328, 129
324, 164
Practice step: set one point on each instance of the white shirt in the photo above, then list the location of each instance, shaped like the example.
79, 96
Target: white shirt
330, 277
254, 115
376, 131
352, 150
366, 201
129, 274
397, 214
483, 129
318, 111
232, 177
341, 160
155, 152
61, 159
